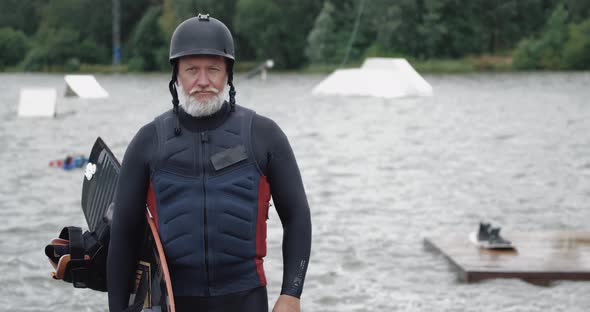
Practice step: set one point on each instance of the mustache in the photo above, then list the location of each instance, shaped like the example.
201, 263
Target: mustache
210, 89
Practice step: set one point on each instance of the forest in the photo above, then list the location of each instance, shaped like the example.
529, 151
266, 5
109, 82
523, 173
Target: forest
69, 35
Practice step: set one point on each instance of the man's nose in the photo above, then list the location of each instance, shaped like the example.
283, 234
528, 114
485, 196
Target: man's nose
202, 79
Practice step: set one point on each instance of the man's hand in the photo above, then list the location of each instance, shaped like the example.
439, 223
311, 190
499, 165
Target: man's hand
287, 303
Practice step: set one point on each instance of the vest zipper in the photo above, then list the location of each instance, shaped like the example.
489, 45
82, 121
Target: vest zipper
204, 140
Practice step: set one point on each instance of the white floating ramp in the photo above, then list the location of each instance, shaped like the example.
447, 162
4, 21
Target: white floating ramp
84, 86
37, 102
379, 77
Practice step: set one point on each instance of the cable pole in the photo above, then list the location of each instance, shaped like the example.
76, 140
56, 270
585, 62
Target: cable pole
354, 31
116, 32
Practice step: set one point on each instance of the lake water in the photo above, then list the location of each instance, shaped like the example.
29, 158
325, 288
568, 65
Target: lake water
380, 176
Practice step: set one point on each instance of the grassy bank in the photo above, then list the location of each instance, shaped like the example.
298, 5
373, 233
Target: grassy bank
482, 63
465, 65
83, 69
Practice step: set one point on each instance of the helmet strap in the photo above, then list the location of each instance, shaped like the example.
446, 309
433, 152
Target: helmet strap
174, 93
232, 90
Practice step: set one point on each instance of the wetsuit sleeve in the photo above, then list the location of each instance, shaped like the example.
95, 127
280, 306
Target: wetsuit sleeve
276, 159
128, 224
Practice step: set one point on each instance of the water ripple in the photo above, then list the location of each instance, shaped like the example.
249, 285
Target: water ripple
380, 176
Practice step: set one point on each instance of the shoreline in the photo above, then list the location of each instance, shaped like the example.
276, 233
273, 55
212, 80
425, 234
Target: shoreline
471, 64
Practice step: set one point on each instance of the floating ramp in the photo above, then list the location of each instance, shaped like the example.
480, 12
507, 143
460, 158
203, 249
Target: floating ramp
378, 77
539, 258
37, 102
84, 86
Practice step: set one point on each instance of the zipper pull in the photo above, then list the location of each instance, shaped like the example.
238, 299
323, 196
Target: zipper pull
204, 137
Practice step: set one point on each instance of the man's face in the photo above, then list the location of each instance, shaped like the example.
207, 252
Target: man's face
202, 76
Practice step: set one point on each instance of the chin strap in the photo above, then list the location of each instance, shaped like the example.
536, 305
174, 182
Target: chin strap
175, 102
232, 90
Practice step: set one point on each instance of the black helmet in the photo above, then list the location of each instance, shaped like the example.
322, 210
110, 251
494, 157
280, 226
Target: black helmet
201, 35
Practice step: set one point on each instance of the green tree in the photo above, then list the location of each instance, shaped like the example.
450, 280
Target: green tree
87, 20
175, 11
168, 20
498, 25
387, 21
334, 35
13, 46
93, 22
434, 31
21, 15
253, 19
579, 9
554, 38
501, 24
526, 55
276, 29
531, 16
576, 52
546, 52
397, 26
52, 47
147, 47
293, 31
321, 42
452, 28
131, 13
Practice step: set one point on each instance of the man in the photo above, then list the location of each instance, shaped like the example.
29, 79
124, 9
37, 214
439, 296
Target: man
212, 166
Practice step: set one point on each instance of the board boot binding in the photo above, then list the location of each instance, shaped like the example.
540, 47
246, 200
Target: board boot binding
78, 258
483, 234
496, 241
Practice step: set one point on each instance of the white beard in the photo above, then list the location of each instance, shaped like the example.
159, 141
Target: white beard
196, 108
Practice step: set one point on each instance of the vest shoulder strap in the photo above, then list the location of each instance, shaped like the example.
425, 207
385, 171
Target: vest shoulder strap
163, 132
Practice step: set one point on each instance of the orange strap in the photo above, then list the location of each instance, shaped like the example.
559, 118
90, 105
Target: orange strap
62, 265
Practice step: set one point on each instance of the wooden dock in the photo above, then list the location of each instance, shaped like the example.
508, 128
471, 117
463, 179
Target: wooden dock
539, 258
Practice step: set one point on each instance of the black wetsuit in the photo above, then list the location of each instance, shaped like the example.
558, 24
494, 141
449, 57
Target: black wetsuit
277, 162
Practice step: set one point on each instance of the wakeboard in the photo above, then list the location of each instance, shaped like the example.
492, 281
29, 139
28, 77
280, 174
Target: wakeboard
152, 288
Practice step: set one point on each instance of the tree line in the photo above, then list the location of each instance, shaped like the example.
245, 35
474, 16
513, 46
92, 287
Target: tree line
40, 35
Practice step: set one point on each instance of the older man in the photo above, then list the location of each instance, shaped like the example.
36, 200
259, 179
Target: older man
212, 167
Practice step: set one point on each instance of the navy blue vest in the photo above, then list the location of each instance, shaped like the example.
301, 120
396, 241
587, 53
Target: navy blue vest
211, 203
